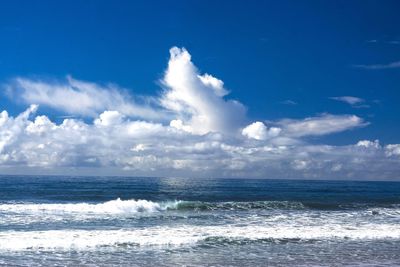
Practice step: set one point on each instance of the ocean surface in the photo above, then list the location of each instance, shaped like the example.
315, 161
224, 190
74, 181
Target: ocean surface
114, 221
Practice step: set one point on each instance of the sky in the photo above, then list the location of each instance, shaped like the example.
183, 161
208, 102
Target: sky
263, 89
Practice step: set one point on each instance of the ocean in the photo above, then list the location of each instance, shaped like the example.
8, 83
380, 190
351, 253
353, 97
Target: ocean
121, 221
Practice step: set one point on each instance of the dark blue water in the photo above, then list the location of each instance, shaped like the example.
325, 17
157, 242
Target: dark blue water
108, 221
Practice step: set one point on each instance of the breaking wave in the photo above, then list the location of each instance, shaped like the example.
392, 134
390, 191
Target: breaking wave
119, 206
132, 206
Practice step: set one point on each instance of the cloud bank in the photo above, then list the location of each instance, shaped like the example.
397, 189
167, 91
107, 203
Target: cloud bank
191, 129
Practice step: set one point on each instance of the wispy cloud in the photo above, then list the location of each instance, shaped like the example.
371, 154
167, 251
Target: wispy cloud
322, 125
289, 102
351, 100
392, 42
392, 65
77, 97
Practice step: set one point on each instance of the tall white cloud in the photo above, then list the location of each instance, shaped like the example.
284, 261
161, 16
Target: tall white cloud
198, 99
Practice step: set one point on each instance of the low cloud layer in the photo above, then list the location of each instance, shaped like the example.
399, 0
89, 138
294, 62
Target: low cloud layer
192, 129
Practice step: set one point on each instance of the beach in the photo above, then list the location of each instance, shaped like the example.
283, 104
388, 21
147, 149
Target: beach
122, 221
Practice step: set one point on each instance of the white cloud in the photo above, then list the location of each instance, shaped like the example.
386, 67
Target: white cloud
289, 102
79, 98
391, 65
258, 130
138, 148
322, 125
351, 100
198, 99
204, 134
178, 124
214, 83
299, 164
109, 118
368, 144
392, 150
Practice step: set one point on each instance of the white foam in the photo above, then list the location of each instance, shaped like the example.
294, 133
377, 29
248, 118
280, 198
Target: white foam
117, 206
186, 235
269, 224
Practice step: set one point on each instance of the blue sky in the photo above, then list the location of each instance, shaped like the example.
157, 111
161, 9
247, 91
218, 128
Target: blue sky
283, 60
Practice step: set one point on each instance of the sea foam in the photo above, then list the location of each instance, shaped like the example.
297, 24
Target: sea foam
186, 235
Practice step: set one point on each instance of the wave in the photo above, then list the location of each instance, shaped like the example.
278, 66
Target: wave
119, 206
130, 207
198, 205
280, 205
189, 235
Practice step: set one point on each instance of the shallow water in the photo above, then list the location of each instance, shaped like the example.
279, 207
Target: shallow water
112, 221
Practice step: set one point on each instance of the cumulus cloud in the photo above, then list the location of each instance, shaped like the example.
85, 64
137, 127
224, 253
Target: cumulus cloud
258, 130
108, 118
192, 129
140, 147
196, 99
368, 144
393, 150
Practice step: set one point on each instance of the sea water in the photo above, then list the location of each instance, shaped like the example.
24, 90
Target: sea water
121, 221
